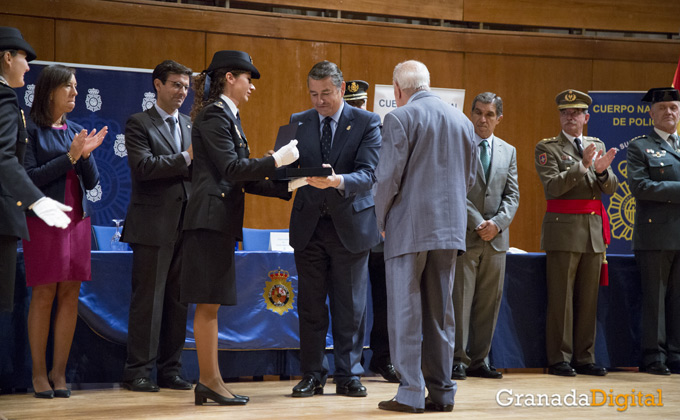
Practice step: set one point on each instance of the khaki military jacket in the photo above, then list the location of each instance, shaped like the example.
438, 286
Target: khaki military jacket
557, 164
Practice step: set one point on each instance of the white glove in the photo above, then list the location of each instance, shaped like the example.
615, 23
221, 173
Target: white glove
287, 154
296, 183
51, 212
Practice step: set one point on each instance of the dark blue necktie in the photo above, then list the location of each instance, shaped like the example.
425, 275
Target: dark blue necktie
326, 138
173, 130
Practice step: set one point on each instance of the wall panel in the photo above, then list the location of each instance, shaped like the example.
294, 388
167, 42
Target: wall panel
39, 32
127, 46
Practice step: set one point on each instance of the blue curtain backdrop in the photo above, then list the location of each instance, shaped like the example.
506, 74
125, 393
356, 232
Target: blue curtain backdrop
107, 96
616, 118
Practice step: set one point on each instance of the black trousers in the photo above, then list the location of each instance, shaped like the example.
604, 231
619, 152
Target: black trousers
158, 320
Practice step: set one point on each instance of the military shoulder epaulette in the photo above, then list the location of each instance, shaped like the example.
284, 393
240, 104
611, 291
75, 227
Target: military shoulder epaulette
549, 139
638, 137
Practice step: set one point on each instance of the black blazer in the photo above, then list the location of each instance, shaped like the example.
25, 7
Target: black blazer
46, 163
17, 191
223, 173
161, 179
354, 154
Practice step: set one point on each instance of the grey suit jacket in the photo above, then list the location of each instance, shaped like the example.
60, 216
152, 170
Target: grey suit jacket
496, 199
427, 166
160, 178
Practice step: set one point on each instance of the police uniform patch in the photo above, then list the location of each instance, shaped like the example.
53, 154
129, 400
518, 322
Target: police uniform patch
543, 158
278, 292
353, 87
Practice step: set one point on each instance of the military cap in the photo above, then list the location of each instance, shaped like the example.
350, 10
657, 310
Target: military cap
571, 98
664, 94
355, 90
11, 39
233, 60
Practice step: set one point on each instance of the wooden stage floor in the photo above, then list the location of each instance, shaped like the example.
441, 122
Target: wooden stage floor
270, 399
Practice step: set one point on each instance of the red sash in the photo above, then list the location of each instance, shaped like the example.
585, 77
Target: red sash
585, 207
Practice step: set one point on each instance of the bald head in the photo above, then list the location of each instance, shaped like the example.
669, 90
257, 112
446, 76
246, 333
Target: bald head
408, 78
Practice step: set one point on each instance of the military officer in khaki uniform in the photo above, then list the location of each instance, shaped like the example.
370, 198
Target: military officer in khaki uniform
575, 172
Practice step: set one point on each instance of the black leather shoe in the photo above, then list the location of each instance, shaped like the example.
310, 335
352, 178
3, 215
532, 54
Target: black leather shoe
458, 372
174, 382
307, 387
674, 367
202, 394
49, 394
485, 371
562, 369
387, 372
393, 405
657, 368
590, 369
141, 385
433, 406
62, 393
352, 388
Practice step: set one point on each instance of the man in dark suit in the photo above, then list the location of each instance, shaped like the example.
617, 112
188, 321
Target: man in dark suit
332, 228
17, 192
575, 172
654, 174
491, 206
427, 167
158, 142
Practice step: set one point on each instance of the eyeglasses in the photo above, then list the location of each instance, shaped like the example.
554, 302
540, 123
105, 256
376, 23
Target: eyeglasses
178, 85
572, 112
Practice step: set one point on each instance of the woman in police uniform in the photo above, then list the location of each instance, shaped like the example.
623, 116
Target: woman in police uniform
16, 189
222, 173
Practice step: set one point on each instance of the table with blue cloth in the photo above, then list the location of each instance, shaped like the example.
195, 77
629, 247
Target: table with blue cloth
259, 336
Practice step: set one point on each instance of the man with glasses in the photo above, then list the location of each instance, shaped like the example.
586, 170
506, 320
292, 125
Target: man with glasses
575, 172
158, 143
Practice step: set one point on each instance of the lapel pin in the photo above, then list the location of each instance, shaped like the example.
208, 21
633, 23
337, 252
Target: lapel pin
349, 127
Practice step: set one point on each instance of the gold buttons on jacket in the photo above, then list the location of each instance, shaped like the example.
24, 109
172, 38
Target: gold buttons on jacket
649, 221
592, 212
19, 203
266, 178
243, 190
222, 194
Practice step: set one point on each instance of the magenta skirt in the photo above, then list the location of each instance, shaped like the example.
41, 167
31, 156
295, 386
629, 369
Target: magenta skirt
53, 255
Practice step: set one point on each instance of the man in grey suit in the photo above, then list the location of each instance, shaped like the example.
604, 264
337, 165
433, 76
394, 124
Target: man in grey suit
491, 206
158, 143
654, 174
427, 167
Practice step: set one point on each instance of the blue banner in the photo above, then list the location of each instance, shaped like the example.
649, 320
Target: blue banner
107, 96
616, 118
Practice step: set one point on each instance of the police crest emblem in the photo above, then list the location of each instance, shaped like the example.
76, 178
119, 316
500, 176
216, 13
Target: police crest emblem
543, 158
278, 292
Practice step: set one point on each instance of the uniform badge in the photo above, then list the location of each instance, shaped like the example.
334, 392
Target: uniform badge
219, 104
566, 157
278, 292
543, 158
353, 87
570, 96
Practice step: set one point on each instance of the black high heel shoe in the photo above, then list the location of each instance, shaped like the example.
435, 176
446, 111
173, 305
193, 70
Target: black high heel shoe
45, 394
202, 394
58, 393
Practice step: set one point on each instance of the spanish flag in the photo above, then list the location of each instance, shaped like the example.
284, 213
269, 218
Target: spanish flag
676, 79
